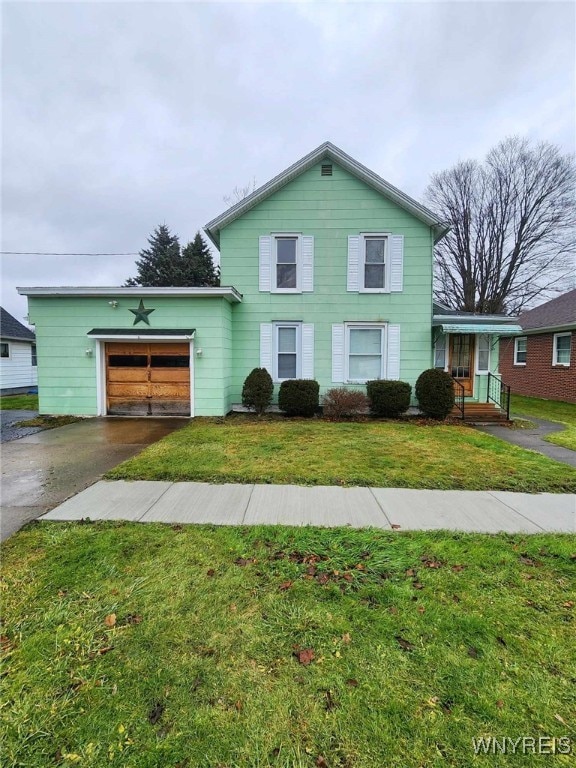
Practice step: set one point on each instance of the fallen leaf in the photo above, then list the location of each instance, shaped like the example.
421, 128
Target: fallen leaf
132, 618
311, 570
527, 560
561, 720
417, 585
352, 682
472, 652
393, 609
360, 567
233, 607
62, 592
242, 561
456, 598
500, 704
177, 527
458, 568
568, 604
406, 645
156, 713
304, 655
102, 651
348, 577
430, 563
322, 578
321, 762
210, 572
410, 572
346, 638
365, 555
110, 620
238, 706
329, 703
395, 526
421, 609
284, 586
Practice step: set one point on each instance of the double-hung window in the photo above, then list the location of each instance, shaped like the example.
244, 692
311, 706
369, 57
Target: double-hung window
365, 352
287, 351
286, 262
520, 345
374, 265
34, 356
561, 353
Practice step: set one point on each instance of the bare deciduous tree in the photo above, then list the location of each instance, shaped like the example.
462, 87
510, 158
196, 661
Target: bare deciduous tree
513, 228
239, 193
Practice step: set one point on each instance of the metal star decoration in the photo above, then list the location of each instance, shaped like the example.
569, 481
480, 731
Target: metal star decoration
141, 314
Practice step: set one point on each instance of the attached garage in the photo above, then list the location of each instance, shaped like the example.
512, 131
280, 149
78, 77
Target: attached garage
147, 379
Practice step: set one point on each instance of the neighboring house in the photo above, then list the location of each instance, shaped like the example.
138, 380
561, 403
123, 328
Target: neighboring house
328, 275
542, 361
17, 356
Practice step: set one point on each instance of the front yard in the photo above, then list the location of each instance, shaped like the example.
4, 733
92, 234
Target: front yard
401, 454
554, 410
139, 646
19, 403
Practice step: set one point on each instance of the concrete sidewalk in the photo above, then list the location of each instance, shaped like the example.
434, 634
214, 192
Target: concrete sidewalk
388, 508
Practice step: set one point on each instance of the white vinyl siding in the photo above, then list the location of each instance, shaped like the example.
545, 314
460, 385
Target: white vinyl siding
520, 348
17, 371
561, 352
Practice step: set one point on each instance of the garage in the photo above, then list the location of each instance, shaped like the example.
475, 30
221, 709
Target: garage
147, 379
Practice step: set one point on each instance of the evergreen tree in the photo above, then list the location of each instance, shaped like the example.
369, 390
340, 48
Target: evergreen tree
198, 265
160, 265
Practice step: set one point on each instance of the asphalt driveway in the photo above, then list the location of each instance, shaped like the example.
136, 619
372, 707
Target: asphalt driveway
41, 470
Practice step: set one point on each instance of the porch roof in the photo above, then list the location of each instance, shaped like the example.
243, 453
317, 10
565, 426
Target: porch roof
495, 329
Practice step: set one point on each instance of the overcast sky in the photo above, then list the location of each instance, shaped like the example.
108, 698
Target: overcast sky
117, 117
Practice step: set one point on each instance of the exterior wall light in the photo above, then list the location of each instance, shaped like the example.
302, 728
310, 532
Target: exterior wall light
199, 352
113, 303
89, 352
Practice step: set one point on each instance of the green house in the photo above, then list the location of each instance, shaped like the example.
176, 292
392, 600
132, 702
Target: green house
326, 273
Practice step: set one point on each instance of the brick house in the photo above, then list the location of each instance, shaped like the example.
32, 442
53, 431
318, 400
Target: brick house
542, 361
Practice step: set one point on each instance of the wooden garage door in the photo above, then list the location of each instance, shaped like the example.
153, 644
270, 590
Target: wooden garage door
148, 379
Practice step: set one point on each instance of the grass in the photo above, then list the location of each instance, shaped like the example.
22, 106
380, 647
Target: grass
147, 645
19, 403
553, 410
314, 452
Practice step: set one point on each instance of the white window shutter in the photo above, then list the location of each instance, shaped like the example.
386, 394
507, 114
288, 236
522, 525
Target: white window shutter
266, 347
338, 353
307, 350
353, 283
396, 262
308, 263
265, 260
393, 357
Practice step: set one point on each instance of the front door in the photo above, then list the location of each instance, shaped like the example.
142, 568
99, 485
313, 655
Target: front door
462, 360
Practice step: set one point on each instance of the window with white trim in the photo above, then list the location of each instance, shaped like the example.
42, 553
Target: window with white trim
4, 349
483, 353
520, 345
287, 351
561, 353
440, 352
286, 262
375, 268
365, 352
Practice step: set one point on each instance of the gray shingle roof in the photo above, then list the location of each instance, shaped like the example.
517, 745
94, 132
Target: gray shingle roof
555, 313
10, 328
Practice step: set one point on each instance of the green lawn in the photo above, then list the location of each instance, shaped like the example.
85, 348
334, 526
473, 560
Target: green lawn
554, 410
150, 646
386, 453
19, 403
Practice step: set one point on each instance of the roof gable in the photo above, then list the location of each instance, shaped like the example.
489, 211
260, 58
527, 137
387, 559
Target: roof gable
555, 313
326, 151
10, 328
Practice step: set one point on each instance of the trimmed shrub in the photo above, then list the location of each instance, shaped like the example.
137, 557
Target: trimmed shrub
299, 397
435, 393
388, 398
257, 390
340, 403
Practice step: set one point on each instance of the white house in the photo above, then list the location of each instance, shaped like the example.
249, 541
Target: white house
17, 356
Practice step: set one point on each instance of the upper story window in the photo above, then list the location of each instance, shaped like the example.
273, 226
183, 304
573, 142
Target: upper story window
375, 263
287, 262
520, 345
4, 349
561, 353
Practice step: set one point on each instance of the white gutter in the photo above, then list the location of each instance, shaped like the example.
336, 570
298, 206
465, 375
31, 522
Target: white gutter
226, 292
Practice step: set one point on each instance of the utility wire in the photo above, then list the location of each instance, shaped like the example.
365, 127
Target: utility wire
44, 253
